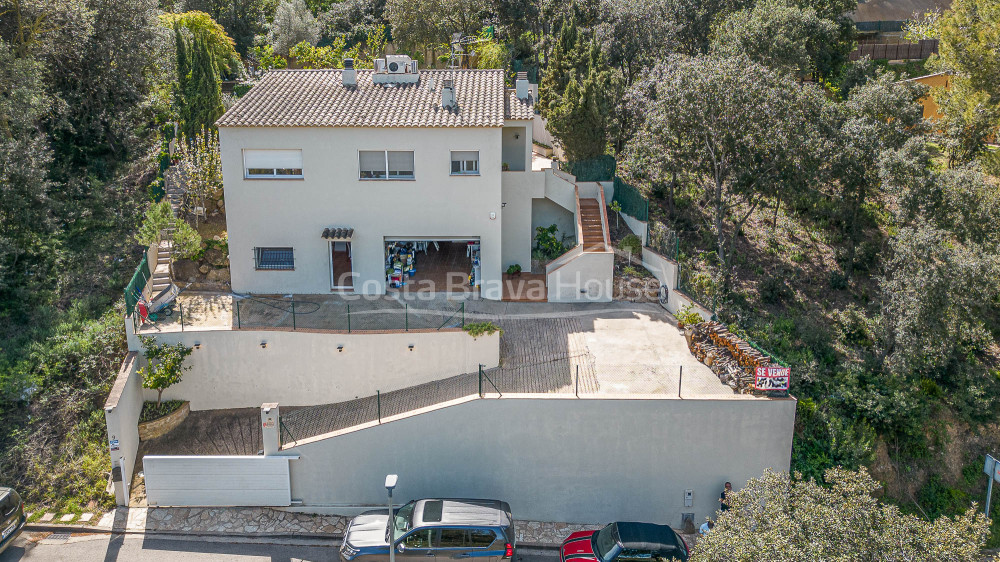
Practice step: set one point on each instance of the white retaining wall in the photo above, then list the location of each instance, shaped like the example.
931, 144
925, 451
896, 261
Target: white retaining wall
665, 271
586, 277
121, 414
230, 368
556, 459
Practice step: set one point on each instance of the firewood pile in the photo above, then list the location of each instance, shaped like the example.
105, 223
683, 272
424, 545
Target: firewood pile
732, 359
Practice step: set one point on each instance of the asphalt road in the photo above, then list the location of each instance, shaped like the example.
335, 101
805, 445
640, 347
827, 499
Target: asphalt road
32, 547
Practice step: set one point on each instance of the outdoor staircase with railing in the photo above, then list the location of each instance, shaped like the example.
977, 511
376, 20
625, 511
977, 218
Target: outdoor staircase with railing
592, 226
162, 274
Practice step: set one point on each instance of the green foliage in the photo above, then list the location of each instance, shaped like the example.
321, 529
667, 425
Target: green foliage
154, 411
516, 268
203, 27
548, 244
266, 58
631, 243
800, 520
165, 366
186, 240
200, 166
476, 329
158, 217
689, 315
293, 23
773, 289
491, 53
775, 33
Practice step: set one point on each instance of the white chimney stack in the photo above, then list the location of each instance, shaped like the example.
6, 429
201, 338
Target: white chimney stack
349, 75
448, 94
522, 88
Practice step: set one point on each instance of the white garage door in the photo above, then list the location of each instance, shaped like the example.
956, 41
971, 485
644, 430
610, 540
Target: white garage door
217, 480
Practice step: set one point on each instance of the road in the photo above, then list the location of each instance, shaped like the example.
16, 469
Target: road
30, 547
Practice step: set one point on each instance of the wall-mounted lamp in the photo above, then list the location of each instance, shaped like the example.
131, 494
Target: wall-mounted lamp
263, 345
340, 348
411, 347
197, 345
502, 205
516, 136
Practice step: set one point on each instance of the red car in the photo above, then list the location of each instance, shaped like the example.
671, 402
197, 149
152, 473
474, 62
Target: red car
625, 542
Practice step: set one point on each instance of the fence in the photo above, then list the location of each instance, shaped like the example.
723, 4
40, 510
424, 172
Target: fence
360, 315
137, 285
888, 26
895, 51
697, 285
573, 376
601, 168
662, 240
633, 202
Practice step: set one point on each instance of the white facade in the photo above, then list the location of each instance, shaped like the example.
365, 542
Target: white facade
293, 212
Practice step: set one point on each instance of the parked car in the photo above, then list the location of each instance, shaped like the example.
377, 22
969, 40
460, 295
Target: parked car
441, 529
12, 517
625, 542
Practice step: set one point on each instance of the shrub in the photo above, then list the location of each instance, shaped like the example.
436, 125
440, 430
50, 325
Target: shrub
516, 268
476, 329
689, 316
166, 366
631, 244
549, 245
773, 290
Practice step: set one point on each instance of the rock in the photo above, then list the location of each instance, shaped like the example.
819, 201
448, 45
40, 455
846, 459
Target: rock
217, 238
220, 203
215, 257
186, 270
219, 275
205, 269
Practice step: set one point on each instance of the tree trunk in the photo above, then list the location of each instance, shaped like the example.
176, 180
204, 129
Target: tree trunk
159, 397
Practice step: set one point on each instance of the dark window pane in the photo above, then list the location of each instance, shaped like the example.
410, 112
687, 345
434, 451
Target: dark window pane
274, 258
260, 171
452, 538
481, 537
419, 539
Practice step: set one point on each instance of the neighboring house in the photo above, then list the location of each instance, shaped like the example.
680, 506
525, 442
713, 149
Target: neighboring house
329, 173
938, 80
887, 17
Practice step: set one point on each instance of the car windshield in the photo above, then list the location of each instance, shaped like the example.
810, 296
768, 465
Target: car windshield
404, 519
606, 543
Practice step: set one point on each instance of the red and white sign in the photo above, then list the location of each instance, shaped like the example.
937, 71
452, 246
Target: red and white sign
773, 379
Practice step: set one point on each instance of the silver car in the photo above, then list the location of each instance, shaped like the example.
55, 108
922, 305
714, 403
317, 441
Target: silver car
432, 529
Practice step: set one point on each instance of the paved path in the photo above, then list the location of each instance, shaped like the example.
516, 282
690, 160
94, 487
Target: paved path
142, 548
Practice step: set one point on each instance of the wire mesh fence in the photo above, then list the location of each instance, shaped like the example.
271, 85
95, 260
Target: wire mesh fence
576, 376
360, 315
663, 240
632, 201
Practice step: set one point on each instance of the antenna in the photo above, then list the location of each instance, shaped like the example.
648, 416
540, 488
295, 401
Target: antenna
458, 43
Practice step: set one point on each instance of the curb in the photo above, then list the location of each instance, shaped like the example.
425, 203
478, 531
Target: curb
41, 528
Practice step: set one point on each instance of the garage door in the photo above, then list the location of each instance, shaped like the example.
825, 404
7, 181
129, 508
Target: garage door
217, 480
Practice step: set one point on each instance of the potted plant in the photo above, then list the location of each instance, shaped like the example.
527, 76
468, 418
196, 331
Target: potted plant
514, 269
505, 167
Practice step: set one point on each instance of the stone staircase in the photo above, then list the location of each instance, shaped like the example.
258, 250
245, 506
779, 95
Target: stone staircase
592, 226
173, 189
162, 274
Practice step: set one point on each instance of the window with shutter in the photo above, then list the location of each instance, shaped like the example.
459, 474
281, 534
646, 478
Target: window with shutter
264, 164
465, 162
400, 164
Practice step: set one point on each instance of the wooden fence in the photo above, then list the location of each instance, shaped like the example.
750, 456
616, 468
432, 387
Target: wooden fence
897, 51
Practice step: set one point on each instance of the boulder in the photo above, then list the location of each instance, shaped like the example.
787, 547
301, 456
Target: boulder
186, 270
220, 203
205, 269
219, 275
216, 257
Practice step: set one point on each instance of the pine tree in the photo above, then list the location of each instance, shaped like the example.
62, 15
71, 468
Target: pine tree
562, 65
204, 93
580, 119
183, 75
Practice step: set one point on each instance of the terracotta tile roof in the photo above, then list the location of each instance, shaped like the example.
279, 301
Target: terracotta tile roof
518, 108
317, 98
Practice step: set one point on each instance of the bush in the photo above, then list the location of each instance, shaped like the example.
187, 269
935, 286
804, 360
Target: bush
773, 290
476, 329
548, 244
631, 244
514, 269
689, 316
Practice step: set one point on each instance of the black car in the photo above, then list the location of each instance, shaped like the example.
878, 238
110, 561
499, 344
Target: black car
12, 517
625, 542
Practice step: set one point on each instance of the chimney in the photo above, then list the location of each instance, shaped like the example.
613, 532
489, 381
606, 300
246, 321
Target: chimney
349, 75
448, 94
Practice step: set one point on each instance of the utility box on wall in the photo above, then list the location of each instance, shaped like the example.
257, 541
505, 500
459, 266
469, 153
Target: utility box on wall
688, 498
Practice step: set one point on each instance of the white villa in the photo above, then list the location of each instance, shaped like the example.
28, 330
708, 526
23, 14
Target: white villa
333, 179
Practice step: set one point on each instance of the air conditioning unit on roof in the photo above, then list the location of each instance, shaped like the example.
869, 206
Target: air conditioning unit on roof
397, 64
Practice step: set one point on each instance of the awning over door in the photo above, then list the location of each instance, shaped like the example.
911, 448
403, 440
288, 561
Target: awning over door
338, 234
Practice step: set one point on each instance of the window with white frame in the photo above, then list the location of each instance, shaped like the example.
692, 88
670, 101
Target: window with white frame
282, 164
274, 258
386, 164
465, 162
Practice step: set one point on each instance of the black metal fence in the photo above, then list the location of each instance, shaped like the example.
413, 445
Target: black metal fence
576, 376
